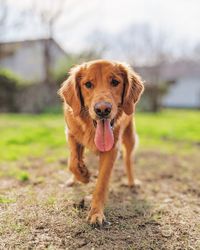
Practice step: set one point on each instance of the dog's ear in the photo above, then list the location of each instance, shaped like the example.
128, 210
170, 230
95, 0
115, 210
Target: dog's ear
132, 88
70, 91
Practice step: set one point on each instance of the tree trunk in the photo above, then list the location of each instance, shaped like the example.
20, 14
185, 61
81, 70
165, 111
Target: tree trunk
47, 62
155, 99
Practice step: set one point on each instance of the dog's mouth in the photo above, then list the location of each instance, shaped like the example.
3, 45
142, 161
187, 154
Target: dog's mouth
104, 137
111, 123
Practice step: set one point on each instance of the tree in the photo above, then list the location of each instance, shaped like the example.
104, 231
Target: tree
196, 52
3, 14
48, 12
8, 24
146, 47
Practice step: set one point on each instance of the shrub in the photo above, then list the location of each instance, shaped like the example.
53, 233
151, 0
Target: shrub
61, 72
153, 95
9, 83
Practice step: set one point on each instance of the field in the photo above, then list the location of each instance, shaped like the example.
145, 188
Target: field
38, 210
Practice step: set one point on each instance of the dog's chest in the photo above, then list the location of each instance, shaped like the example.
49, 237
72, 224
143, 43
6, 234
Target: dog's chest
83, 133
86, 137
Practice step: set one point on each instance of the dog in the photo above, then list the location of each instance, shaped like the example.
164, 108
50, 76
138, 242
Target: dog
99, 102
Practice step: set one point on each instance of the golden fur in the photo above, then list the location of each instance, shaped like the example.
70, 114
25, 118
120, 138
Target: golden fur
79, 114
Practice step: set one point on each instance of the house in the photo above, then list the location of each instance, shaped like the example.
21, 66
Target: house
26, 58
184, 76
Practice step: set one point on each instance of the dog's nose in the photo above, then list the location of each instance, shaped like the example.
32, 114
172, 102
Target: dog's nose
102, 109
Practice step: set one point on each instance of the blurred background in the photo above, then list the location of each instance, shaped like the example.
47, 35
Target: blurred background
39, 41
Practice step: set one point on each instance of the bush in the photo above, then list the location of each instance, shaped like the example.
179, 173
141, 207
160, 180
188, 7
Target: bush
61, 72
9, 83
17, 95
153, 95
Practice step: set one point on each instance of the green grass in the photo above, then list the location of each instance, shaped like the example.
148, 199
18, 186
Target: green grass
179, 125
30, 135
27, 136
5, 200
169, 129
19, 174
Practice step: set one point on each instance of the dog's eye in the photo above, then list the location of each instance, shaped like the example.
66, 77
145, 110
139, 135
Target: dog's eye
88, 85
114, 82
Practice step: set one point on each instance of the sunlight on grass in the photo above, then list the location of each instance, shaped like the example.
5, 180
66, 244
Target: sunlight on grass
25, 136
182, 125
30, 136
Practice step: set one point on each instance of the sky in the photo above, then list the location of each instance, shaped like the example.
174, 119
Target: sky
180, 19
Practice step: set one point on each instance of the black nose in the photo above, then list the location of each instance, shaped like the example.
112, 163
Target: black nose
102, 109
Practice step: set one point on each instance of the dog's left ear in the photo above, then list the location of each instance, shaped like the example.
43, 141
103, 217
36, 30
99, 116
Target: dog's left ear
132, 88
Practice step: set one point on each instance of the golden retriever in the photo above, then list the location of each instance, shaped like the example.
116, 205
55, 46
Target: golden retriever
99, 103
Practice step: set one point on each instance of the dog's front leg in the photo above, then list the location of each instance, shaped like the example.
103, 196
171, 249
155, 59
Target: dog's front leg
107, 159
76, 164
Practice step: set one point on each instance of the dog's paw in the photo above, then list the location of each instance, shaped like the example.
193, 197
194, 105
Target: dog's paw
71, 182
96, 217
81, 172
135, 184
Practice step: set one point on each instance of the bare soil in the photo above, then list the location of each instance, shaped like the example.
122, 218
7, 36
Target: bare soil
164, 213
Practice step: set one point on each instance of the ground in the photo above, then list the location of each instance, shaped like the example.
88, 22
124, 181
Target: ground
39, 211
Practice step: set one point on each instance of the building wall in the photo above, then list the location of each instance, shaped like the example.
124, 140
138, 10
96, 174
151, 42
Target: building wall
27, 59
185, 93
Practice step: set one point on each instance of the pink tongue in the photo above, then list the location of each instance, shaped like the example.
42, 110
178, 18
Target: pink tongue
104, 138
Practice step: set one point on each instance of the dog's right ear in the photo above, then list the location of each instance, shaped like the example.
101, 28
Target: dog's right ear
70, 91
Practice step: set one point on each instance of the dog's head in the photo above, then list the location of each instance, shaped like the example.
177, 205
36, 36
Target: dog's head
102, 87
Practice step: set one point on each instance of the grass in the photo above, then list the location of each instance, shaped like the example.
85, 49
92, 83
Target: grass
38, 210
25, 136
30, 135
182, 125
165, 129
5, 200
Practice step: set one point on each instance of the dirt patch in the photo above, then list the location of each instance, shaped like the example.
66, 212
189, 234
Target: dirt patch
42, 213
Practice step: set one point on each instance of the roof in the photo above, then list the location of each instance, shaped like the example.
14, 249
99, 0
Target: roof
33, 41
170, 71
